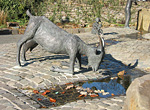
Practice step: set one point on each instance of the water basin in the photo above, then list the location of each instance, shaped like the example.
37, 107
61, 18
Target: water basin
70, 92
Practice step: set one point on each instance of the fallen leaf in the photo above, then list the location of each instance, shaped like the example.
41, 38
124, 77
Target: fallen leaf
68, 83
107, 43
52, 100
121, 74
39, 99
94, 95
47, 91
82, 95
35, 91
43, 107
53, 88
43, 93
69, 86
112, 94
63, 92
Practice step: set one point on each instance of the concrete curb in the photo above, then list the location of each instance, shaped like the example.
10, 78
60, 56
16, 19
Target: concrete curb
21, 31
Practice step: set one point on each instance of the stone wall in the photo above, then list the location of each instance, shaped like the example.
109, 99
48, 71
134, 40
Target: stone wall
144, 20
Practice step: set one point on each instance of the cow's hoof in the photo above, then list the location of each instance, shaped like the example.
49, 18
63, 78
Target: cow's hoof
17, 67
24, 62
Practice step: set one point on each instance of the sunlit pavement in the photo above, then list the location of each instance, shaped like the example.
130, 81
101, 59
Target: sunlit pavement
18, 83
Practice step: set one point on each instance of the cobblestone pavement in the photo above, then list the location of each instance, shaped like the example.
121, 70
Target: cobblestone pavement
15, 81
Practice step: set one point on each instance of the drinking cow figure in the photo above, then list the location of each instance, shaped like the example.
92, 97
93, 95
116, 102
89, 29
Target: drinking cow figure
42, 31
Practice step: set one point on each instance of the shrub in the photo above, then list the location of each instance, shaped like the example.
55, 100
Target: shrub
16, 9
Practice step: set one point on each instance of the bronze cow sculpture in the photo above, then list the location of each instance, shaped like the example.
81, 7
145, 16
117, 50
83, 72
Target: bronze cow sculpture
42, 31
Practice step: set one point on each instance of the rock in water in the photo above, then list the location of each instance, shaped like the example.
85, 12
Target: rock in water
138, 94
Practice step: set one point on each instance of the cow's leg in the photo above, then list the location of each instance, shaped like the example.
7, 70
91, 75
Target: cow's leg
69, 70
72, 63
79, 61
31, 44
27, 36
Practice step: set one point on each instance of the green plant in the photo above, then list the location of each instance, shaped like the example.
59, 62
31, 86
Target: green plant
16, 9
75, 10
3, 26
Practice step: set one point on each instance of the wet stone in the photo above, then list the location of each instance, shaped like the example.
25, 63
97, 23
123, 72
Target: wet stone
30, 101
36, 105
19, 94
42, 100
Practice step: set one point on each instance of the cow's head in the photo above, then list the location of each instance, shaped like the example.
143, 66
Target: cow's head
95, 55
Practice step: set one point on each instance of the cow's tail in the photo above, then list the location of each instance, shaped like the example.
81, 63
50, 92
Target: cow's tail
28, 13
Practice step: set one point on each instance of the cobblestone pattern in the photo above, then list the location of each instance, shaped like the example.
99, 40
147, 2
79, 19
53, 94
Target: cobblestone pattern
36, 74
115, 103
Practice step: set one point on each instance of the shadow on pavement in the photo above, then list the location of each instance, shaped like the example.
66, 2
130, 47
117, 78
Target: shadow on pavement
111, 33
5, 32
